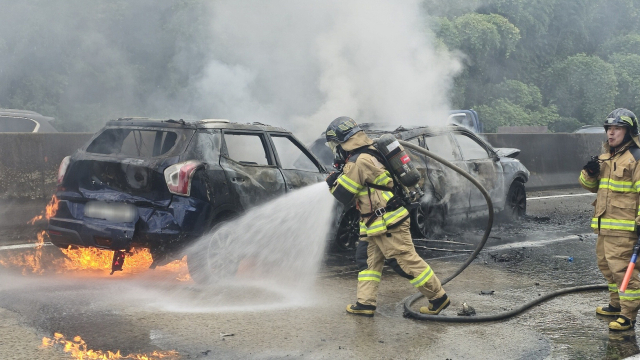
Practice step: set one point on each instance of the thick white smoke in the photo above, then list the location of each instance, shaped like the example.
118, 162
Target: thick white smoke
300, 64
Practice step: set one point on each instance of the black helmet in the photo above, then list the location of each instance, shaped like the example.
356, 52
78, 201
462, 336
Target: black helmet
341, 129
622, 117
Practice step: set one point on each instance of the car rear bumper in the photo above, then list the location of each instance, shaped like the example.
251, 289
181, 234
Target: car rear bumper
153, 227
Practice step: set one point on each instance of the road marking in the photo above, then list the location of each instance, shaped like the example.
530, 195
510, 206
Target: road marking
535, 243
558, 196
22, 246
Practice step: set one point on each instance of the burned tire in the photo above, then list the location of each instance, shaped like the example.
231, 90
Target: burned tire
427, 221
515, 206
348, 232
212, 258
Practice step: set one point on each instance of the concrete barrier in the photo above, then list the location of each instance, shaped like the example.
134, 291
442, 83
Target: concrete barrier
29, 161
554, 160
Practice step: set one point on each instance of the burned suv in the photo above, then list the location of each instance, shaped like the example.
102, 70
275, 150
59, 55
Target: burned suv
448, 196
160, 184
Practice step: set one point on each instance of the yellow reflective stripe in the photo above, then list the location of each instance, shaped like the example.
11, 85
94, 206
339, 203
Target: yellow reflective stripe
387, 195
369, 275
397, 214
637, 185
349, 184
614, 224
423, 277
376, 226
638, 210
382, 179
622, 186
613, 288
629, 295
587, 183
362, 192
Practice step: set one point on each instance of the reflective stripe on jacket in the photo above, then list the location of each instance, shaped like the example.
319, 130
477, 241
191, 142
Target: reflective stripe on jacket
351, 184
617, 209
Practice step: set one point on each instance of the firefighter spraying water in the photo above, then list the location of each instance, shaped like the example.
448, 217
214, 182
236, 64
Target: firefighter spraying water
382, 201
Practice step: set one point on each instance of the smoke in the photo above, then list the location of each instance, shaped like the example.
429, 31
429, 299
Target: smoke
288, 63
302, 64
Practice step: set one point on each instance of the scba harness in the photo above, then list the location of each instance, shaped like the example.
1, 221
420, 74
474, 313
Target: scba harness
395, 202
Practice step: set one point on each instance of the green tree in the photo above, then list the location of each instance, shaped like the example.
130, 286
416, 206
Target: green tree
582, 87
627, 70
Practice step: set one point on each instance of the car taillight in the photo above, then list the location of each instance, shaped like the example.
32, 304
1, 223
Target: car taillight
63, 168
178, 177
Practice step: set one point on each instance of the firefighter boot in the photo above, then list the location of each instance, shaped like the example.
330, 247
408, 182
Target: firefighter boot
436, 305
362, 310
622, 323
608, 310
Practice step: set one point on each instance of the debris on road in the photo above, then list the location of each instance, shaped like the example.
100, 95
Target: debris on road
466, 310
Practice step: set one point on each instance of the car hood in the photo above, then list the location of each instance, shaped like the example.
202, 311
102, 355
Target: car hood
508, 152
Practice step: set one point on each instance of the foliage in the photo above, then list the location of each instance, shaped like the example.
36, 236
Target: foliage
582, 87
565, 125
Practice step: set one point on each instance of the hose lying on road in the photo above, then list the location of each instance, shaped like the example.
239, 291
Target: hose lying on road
408, 312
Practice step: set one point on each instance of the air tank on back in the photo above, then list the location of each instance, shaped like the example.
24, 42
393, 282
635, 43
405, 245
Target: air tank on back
399, 161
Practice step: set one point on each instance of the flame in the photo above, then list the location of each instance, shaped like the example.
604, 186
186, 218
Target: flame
79, 350
49, 211
30, 261
137, 260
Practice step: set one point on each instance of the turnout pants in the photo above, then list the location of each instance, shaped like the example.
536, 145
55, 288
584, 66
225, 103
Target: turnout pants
613, 254
396, 243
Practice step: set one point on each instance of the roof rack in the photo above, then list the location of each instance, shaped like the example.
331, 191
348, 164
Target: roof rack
132, 118
214, 121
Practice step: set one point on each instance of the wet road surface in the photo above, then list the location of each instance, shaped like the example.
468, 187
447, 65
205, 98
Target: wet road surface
151, 311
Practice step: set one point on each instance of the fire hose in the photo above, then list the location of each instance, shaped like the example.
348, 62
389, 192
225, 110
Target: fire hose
410, 313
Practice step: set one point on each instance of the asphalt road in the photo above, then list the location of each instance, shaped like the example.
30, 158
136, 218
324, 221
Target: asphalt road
248, 318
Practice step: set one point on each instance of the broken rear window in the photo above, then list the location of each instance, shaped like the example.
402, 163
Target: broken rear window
139, 142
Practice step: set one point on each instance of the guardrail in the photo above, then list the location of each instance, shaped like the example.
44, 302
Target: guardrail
29, 162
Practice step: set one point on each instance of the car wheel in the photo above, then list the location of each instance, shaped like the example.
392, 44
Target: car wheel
212, 258
427, 221
515, 205
348, 232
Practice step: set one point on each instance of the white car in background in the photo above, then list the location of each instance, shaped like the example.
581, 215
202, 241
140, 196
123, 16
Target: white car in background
12, 120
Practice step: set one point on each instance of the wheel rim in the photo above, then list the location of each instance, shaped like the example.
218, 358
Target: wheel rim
349, 231
518, 202
220, 258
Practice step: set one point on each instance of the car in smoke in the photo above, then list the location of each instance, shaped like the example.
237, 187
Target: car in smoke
448, 196
13, 120
160, 184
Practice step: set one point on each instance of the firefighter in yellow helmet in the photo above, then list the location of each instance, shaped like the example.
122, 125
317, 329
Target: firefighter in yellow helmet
384, 222
615, 176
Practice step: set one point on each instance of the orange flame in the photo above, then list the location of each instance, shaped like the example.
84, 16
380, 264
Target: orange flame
49, 212
83, 259
79, 350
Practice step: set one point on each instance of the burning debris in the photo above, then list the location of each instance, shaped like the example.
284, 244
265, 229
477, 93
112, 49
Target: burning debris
78, 349
88, 260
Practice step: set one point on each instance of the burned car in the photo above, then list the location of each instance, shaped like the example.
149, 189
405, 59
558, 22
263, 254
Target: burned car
161, 184
448, 196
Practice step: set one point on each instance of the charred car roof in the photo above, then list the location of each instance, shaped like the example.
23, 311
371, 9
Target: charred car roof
193, 124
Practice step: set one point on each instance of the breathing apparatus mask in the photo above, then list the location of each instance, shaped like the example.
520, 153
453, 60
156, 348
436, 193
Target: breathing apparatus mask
339, 155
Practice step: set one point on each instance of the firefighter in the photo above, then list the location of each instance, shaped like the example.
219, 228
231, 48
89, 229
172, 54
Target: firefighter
615, 176
384, 222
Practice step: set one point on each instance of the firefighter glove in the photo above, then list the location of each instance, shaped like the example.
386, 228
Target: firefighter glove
593, 166
331, 179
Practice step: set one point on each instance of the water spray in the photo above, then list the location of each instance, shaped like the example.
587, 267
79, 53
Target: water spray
410, 313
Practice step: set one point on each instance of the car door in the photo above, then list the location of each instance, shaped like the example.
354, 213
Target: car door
483, 166
297, 165
449, 186
250, 167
